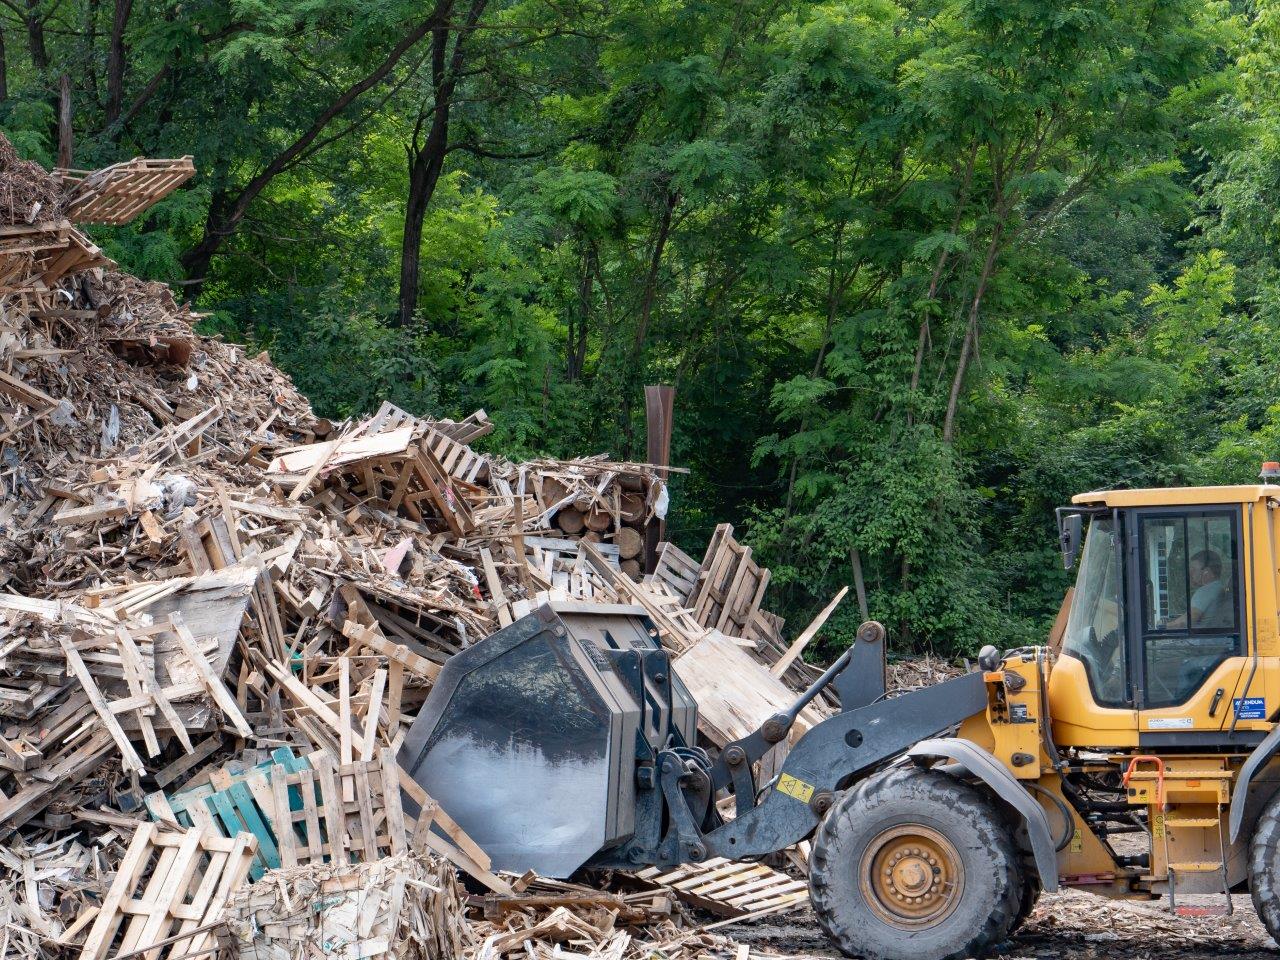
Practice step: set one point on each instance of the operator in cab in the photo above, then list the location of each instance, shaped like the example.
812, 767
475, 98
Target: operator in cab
1207, 607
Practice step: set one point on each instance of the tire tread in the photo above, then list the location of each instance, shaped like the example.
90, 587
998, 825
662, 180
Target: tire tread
824, 893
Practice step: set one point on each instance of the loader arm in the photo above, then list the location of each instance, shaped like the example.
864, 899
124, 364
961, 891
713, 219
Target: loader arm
832, 754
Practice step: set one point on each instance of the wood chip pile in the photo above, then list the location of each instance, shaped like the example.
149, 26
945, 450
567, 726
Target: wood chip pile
219, 614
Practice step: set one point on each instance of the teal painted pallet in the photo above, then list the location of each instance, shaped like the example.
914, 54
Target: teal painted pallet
234, 809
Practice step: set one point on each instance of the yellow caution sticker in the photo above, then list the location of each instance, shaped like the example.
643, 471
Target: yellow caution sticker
1157, 827
1077, 842
795, 788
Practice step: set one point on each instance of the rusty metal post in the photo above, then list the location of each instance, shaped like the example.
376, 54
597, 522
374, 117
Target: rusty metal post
659, 403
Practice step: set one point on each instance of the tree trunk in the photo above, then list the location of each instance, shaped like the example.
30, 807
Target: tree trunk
427, 163
859, 584
4, 70
575, 346
968, 347
35, 37
196, 260
425, 166
116, 60
922, 341
89, 71
65, 144
651, 279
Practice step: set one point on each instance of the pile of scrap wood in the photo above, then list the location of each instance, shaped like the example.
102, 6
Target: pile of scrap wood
219, 614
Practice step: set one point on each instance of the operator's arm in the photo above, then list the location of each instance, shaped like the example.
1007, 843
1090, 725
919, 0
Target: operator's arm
1202, 602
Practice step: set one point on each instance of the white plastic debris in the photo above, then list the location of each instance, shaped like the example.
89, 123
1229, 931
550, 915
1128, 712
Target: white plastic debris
172, 492
660, 505
64, 414
111, 429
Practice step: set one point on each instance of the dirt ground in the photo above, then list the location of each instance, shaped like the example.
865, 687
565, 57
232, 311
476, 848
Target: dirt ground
1070, 926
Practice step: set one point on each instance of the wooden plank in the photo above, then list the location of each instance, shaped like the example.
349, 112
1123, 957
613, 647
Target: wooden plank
388, 773
24, 393
72, 516
735, 693
109, 918
221, 696
283, 818
371, 715
132, 762
203, 750
809, 632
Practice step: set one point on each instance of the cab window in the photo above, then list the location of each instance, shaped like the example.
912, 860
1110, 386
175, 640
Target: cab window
1191, 600
1095, 625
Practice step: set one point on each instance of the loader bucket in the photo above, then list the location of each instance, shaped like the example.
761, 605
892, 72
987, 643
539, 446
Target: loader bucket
528, 739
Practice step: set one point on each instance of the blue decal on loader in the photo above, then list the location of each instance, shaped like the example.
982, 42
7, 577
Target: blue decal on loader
1250, 708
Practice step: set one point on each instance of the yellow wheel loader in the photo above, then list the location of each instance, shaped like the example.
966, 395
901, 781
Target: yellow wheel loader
1137, 761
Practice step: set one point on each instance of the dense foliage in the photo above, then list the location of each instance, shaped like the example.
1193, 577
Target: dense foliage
918, 270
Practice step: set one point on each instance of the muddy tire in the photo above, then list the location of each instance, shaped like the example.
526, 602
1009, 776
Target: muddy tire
1030, 895
915, 865
1264, 866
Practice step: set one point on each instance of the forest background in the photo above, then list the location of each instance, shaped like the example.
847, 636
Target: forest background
918, 271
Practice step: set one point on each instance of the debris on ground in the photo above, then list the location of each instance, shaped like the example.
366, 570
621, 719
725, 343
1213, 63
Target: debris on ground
220, 613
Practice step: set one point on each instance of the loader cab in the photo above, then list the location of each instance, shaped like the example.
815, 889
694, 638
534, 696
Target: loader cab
1170, 640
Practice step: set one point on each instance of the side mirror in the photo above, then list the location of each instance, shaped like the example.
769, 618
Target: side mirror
1070, 526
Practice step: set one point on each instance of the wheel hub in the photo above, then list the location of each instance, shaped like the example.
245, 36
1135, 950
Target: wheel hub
911, 876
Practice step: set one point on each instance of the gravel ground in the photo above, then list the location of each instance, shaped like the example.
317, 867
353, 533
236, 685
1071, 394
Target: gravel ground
1070, 926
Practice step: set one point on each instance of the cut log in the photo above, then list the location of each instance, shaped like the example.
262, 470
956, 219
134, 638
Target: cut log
629, 543
570, 520
631, 507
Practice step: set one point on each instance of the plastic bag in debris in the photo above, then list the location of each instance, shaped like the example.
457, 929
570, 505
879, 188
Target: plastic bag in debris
63, 414
171, 493
111, 429
661, 503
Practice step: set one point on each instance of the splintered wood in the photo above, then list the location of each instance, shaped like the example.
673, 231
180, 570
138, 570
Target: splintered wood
403, 906
220, 614
406, 906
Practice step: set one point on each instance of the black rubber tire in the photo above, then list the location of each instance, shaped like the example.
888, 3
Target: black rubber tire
1264, 866
1030, 895
993, 880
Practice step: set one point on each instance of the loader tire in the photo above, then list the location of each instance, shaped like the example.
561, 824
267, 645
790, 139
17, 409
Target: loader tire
1030, 895
1264, 866
913, 864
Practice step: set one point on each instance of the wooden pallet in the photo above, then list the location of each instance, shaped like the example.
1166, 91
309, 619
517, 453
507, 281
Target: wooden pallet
349, 812
33, 258
235, 800
458, 459
730, 586
731, 889
389, 416
390, 471
117, 194
677, 570
170, 891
